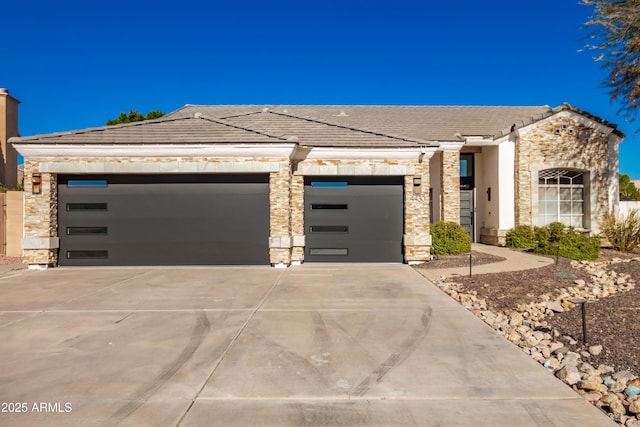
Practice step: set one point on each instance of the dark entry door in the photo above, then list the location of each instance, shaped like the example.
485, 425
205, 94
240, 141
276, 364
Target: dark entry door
163, 219
466, 211
354, 219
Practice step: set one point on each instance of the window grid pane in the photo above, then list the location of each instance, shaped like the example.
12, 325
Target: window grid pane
561, 197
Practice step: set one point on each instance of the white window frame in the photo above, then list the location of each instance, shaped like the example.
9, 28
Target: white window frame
560, 179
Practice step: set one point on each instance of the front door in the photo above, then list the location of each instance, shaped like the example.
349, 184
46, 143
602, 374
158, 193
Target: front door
466, 211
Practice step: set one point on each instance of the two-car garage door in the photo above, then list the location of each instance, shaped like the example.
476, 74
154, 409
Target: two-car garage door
163, 219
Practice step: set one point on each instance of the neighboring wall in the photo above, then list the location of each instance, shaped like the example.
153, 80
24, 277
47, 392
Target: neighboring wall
627, 206
14, 223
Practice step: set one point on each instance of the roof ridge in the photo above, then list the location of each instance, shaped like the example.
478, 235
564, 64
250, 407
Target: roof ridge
373, 132
222, 122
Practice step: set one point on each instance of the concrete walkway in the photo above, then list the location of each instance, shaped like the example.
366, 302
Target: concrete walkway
516, 260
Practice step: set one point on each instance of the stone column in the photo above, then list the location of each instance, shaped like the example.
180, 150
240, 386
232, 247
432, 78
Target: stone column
450, 185
417, 230
297, 219
280, 225
40, 243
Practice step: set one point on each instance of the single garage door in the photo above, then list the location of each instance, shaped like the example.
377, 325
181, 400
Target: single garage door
163, 219
354, 219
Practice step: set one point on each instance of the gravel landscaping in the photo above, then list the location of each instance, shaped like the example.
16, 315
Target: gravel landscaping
535, 310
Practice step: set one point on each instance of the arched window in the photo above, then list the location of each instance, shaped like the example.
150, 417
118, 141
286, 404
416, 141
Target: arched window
561, 197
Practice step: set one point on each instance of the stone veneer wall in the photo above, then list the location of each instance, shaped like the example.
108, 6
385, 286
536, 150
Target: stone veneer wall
280, 219
566, 144
450, 187
297, 218
417, 227
40, 218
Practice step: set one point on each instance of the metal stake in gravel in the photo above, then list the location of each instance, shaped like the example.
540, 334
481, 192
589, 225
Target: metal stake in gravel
470, 263
582, 302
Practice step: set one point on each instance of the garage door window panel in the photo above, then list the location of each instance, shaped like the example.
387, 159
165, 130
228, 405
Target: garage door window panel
83, 207
86, 183
88, 254
87, 231
329, 229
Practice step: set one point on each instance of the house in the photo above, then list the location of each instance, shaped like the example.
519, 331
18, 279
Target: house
282, 185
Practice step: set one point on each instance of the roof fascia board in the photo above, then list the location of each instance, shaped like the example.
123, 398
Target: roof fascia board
332, 153
478, 140
160, 150
451, 146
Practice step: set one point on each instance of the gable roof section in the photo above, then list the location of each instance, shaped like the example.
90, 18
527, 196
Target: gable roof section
165, 130
563, 107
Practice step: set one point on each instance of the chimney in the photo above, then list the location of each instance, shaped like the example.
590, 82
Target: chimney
8, 128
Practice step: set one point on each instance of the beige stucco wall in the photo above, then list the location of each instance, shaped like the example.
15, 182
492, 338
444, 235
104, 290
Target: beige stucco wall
563, 142
14, 223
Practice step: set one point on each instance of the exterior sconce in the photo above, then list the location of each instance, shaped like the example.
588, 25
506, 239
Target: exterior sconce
36, 183
489, 194
417, 183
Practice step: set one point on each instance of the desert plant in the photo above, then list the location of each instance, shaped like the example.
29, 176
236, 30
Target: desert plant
522, 236
449, 238
623, 233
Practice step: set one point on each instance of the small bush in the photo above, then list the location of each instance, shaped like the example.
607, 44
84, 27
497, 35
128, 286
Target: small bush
557, 239
449, 238
521, 236
571, 244
623, 233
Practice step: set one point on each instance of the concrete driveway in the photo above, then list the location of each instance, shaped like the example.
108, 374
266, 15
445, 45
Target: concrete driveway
370, 345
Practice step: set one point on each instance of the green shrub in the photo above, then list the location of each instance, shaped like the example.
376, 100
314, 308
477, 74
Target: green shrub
557, 239
557, 231
521, 236
623, 233
449, 238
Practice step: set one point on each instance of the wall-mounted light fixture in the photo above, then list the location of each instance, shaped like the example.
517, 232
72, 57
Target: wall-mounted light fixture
489, 194
417, 184
36, 183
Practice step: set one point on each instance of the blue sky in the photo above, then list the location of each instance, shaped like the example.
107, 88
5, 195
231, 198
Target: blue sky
74, 64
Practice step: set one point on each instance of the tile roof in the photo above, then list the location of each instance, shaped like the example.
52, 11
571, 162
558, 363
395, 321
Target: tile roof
426, 123
320, 133
319, 125
195, 129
